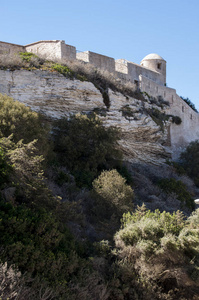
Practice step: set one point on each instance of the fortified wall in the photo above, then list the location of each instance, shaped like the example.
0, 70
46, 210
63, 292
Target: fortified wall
152, 66
8, 48
149, 76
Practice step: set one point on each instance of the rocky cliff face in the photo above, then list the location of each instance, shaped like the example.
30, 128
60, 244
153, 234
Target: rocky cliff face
56, 96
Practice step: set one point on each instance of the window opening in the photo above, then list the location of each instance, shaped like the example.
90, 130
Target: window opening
159, 66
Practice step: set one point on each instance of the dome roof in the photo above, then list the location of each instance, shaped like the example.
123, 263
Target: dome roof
152, 56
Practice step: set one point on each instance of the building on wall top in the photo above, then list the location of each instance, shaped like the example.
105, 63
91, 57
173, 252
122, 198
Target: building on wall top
52, 49
155, 63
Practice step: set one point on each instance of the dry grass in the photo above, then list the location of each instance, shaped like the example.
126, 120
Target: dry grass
11, 61
103, 78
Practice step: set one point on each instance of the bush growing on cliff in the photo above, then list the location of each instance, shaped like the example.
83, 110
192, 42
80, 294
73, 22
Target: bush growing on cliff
26, 56
18, 120
38, 244
64, 70
85, 146
152, 245
158, 117
145, 229
112, 188
189, 159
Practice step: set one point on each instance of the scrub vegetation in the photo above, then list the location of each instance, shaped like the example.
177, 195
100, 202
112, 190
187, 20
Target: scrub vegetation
72, 220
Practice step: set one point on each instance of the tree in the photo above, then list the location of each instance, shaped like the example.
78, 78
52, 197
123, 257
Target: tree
190, 161
85, 146
18, 120
112, 188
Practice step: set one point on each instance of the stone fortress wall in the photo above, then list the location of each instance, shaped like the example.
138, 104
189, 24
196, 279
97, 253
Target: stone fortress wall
8, 48
52, 49
150, 77
57, 49
188, 131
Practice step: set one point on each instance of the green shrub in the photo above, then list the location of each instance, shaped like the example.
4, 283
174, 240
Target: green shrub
189, 159
189, 235
85, 146
5, 168
168, 223
193, 220
112, 188
151, 232
27, 173
152, 245
37, 243
125, 173
64, 70
158, 117
160, 232
171, 185
177, 166
177, 120
27, 56
22, 123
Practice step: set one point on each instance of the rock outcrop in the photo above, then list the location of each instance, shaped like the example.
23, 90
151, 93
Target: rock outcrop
56, 96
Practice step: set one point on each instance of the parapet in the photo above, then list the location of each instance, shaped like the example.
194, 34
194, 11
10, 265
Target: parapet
98, 60
8, 48
54, 49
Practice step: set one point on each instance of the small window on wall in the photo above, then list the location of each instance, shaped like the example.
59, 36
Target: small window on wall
182, 108
191, 117
159, 66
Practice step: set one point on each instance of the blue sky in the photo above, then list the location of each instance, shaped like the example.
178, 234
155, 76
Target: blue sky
120, 29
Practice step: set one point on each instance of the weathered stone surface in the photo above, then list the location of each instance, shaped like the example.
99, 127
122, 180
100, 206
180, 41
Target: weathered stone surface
56, 96
142, 138
50, 92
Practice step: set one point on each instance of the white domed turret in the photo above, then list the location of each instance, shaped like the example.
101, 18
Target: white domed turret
156, 63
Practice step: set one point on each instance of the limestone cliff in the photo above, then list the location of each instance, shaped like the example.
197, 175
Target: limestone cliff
56, 96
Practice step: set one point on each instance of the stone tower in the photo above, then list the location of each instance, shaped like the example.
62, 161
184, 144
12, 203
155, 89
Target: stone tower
156, 63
